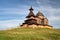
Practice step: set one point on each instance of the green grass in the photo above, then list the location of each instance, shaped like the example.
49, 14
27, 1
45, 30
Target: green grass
30, 34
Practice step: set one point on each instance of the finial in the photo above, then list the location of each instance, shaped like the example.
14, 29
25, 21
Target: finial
31, 6
31, 9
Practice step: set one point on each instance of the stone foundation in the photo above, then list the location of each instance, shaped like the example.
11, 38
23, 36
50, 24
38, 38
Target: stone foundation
36, 26
25, 25
32, 26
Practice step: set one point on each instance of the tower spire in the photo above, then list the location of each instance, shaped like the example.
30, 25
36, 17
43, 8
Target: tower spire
31, 9
30, 13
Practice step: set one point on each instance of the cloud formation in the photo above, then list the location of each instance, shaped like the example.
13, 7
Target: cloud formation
13, 12
7, 24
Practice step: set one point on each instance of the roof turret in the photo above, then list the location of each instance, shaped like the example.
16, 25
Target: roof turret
39, 14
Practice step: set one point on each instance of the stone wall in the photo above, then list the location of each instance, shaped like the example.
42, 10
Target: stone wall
32, 26
36, 26
25, 25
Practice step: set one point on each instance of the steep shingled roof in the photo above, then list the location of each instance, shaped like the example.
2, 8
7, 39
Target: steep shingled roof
31, 13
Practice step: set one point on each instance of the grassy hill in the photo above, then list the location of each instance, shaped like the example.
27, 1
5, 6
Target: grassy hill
30, 34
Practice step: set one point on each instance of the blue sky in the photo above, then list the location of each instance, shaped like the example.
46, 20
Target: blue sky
13, 12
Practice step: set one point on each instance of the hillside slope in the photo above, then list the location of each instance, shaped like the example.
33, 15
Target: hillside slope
30, 34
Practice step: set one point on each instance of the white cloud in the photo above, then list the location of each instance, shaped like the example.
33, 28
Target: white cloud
11, 10
54, 18
6, 24
21, 9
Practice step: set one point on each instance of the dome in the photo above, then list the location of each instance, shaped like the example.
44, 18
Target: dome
39, 14
45, 19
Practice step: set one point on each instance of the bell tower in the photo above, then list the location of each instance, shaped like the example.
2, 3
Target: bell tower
31, 14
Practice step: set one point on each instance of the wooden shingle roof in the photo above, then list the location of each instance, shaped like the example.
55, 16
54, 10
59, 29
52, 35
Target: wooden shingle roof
31, 13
